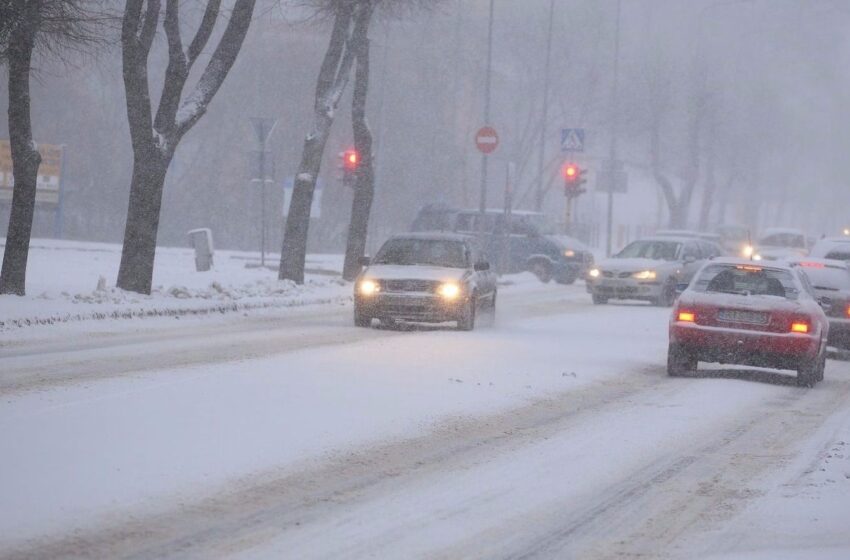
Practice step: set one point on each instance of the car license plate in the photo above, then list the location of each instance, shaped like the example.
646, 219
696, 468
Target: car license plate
740, 316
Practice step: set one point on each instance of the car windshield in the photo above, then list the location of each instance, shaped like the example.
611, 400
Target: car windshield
746, 280
435, 252
656, 250
831, 278
790, 240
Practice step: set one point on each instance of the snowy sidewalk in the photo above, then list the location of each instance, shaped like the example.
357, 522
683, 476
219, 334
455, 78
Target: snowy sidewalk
74, 281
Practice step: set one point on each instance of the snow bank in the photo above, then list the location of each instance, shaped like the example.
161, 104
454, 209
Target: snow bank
71, 281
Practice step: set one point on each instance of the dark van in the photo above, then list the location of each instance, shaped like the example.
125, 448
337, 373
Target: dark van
516, 243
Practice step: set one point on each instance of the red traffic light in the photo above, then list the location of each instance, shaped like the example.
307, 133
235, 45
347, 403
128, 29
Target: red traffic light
571, 172
350, 159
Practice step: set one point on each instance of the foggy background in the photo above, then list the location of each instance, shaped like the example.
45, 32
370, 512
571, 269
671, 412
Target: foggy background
765, 79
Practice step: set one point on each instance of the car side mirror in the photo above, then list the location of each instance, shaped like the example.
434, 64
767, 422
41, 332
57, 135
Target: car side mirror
690, 259
364, 261
681, 287
481, 266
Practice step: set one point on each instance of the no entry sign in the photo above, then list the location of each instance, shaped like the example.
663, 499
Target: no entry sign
486, 139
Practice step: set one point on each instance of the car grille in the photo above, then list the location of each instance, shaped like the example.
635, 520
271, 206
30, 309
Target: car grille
408, 285
611, 274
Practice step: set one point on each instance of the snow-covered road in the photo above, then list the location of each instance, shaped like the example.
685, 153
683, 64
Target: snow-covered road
291, 434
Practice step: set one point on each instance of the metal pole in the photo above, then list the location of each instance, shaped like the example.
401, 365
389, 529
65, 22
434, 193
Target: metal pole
263, 203
482, 203
538, 200
614, 130
59, 223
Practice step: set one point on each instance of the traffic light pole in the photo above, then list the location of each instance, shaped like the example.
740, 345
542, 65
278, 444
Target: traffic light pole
614, 130
482, 203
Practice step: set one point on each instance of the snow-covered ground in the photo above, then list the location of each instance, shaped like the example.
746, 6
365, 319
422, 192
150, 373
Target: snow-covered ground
285, 432
73, 281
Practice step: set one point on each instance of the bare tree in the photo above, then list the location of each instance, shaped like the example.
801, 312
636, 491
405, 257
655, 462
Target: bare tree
364, 186
155, 138
333, 77
26, 27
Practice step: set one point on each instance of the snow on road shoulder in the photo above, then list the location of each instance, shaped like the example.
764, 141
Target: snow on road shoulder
73, 281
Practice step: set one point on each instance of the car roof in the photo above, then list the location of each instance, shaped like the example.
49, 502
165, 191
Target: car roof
676, 238
434, 236
777, 230
737, 261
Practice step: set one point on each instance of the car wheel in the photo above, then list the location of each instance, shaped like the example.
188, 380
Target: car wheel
361, 319
466, 321
808, 372
489, 313
567, 279
542, 270
599, 300
679, 361
667, 297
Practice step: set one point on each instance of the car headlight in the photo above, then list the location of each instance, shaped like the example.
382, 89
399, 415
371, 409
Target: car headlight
594, 273
569, 253
757, 257
644, 275
368, 287
449, 290
747, 251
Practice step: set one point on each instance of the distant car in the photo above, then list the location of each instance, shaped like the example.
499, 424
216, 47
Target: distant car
649, 269
835, 248
829, 280
734, 240
519, 242
781, 243
739, 312
425, 277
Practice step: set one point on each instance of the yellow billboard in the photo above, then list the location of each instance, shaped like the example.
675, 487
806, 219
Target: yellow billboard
49, 173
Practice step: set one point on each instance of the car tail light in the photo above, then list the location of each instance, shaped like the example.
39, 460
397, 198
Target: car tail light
799, 327
848, 310
686, 316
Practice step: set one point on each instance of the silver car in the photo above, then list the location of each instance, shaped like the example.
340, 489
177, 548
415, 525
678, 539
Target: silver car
428, 278
649, 269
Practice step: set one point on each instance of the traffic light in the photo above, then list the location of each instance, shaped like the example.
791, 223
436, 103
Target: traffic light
573, 179
350, 163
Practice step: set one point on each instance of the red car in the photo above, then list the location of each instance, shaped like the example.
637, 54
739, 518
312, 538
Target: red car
737, 311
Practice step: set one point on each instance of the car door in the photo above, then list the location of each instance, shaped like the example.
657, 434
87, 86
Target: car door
692, 260
485, 280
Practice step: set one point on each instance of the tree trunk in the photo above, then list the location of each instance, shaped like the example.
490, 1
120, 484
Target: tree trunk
364, 187
25, 160
333, 77
137, 256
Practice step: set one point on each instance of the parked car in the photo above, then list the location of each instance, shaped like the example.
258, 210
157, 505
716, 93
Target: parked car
835, 248
649, 269
425, 277
829, 282
739, 312
781, 243
519, 242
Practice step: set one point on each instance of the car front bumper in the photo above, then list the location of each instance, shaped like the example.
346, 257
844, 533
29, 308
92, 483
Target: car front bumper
752, 348
625, 288
426, 308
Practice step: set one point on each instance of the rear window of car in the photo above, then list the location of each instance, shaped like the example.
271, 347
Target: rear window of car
746, 280
838, 255
791, 240
832, 278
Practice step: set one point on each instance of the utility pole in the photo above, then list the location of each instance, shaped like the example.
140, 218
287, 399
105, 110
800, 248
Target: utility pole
482, 203
538, 199
614, 130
